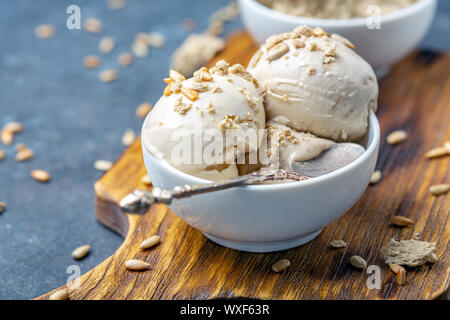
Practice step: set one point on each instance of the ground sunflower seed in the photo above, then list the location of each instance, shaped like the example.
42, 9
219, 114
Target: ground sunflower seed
401, 221
137, 265
40, 175
44, 31
281, 265
396, 137
106, 45
439, 189
143, 109
125, 59
103, 165
376, 177
81, 252
92, 25
91, 62
24, 155
108, 75
338, 244
150, 242
128, 137
62, 294
358, 262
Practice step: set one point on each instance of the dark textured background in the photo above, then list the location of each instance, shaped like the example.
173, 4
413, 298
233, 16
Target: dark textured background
72, 120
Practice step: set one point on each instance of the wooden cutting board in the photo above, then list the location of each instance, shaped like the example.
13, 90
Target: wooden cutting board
414, 97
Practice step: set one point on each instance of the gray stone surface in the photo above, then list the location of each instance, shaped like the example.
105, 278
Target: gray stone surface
72, 119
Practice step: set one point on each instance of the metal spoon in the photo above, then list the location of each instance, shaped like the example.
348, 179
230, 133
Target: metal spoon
338, 156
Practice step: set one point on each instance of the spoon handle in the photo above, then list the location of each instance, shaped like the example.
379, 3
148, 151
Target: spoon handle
139, 201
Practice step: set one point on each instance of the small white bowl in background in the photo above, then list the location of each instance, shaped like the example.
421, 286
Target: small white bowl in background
401, 31
265, 218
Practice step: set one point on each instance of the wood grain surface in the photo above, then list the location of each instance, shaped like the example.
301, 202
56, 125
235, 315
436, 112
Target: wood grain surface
414, 97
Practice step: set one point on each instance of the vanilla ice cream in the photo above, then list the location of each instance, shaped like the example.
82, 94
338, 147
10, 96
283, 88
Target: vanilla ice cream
316, 82
223, 97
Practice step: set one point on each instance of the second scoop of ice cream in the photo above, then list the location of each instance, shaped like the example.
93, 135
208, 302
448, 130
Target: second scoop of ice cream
316, 83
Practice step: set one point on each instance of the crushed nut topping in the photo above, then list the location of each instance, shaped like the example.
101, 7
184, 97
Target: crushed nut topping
221, 68
210, 108
278, 51
285, 135
182, 107
230, 121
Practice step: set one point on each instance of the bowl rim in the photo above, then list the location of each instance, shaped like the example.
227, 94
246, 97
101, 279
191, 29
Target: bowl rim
353, 22
370, 150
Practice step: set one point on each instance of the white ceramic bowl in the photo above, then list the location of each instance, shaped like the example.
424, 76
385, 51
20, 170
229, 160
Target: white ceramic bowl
264, 218
401, 31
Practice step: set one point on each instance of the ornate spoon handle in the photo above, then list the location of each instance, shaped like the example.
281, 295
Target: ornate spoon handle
139, 201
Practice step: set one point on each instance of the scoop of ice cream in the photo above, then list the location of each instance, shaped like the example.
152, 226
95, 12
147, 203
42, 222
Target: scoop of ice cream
286, 145
187, 124
317, 82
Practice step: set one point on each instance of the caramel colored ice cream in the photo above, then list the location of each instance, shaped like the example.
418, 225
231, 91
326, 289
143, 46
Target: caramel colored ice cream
317, 83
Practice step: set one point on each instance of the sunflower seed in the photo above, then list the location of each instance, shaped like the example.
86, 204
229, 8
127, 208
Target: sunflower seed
7, 137
128, 137
137, 265
338, 244
125, 59
400, 276
14, 127
91, 62
116, 4
106, 45
44, 31
146, 180
436, 153
150, 242
108, 75
143, 109
278, 51
394, 267
40, 175
401, 221
103, 165
156, 40
24, 154
376, 177
92, 25
358, 262
280, 265
439, 189
2, 155
62, 294
2, 206
140, 49
81, 252
396, 137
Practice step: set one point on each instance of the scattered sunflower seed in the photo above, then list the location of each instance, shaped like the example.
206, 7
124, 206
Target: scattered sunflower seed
40, 175
2, 155
338, 244
116, 4
156, 40
146, 180
2, 206
150, 242
394, 267
143, 109
128, 137
14, 127
91, 62
62, 294
140, 49
106, 45
103, 165
44, 31
400, 277
439, 189
396, 137
7, 137
358, 262
280, 265
376, 177
436, 153
24, 155
92, 25
108, 75
20, 147
125, 59
401, 221
81, 252
137, 265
